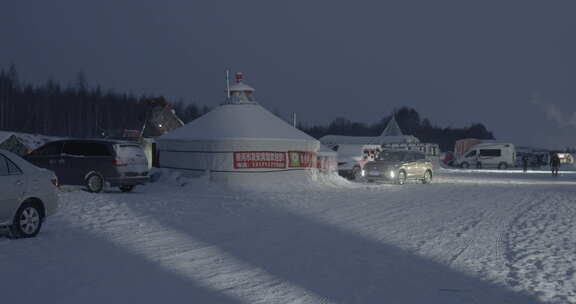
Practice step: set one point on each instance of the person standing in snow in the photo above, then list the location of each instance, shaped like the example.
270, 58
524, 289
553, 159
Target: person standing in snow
554, 163
525, 163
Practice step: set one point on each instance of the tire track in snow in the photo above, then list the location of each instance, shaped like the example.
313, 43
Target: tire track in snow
483, 232
508, 252
444, 229
539, 248
480, 249
506, 207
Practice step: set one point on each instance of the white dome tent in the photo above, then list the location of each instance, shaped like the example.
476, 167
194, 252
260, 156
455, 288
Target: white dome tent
239, 141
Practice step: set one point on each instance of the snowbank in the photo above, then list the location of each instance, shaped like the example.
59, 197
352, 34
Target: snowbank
267, 183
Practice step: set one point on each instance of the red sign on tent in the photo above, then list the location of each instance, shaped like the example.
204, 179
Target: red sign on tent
301, 159
259, 159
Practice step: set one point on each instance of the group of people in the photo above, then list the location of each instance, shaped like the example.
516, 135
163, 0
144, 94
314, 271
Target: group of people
554, 163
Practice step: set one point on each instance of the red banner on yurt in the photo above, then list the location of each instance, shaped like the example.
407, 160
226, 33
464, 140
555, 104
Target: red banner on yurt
259, 159
301, 159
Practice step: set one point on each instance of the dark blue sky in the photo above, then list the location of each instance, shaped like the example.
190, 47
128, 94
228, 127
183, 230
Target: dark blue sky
456, 62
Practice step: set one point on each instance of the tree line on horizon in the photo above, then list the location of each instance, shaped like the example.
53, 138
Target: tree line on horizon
410, 123
81, 111
76, 110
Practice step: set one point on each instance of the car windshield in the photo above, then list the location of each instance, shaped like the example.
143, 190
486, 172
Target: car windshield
391, 156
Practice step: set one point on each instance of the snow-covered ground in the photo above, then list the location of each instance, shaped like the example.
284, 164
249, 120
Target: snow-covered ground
470, 237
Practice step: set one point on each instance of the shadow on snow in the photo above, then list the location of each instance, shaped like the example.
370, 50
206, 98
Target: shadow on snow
335, 264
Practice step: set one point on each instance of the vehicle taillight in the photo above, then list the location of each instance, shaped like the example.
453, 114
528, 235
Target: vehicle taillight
54, 180
118, 163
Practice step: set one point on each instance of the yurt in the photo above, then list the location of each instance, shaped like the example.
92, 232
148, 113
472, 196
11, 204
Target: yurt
240, 141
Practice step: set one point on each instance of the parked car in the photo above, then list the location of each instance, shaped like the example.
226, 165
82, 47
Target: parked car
353, 157
27, 196
398, 167
94, 163
489, 155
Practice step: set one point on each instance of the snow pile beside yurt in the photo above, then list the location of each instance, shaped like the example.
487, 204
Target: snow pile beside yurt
314, 181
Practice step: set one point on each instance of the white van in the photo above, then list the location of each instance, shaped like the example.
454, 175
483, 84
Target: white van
489, 155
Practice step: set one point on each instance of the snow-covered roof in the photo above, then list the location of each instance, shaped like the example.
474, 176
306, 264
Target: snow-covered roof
241, 87
240, 92
31, 141
530, 149
367, 140
392, 128
399, 139
326, 151
353, 140
237, 121
350, 150
4, 136
391, 135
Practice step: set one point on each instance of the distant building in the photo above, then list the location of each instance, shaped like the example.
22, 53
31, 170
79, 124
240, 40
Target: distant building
461, 146
160, 118
391, 138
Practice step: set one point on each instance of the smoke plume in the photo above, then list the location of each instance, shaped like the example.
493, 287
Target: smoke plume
554, 113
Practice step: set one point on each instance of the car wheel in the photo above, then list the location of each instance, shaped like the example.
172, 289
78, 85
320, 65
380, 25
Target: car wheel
503, 166
465, 165
427, 177
126, 188
27, 221
356, 173
94, 183
401, 178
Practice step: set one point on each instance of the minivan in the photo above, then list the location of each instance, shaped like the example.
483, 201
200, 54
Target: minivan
486, 155
93, 163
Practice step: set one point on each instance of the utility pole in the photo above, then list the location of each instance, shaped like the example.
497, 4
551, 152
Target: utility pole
228, 84
1, 114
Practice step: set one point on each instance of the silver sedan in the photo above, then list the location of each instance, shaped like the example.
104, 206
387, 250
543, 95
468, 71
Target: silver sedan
28, 195
399, 166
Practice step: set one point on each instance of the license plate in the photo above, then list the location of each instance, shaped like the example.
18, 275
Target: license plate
374, 173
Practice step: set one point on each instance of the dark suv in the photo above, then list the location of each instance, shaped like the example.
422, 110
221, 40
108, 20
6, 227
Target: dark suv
93, 163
